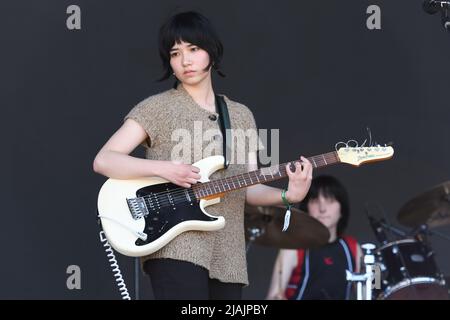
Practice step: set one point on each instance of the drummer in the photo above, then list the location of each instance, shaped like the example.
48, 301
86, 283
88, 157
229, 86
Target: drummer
319, 274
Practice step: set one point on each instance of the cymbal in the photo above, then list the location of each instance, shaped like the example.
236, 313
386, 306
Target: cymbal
431, 208
263, 226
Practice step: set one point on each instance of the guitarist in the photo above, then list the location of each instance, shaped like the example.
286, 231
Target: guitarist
195, 264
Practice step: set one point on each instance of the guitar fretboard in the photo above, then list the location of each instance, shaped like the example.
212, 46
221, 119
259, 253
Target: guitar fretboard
263, 175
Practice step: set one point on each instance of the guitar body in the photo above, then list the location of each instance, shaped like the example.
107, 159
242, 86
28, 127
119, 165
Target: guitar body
138, 228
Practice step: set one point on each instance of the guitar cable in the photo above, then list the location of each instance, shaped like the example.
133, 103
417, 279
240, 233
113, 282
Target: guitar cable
115, 267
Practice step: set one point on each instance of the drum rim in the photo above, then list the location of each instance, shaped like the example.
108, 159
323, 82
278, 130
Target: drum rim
409, 282
387, 245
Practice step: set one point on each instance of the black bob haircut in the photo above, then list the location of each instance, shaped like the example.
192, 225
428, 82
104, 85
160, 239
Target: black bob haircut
194, 28
329, 187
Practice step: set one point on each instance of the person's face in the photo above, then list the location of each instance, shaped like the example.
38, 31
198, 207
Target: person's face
188, 62
326, 210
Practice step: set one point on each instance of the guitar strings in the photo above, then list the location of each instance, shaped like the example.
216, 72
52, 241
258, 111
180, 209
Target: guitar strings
178, 195
244, 178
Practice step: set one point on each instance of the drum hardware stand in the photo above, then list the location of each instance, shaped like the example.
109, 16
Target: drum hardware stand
433, 6
367, 277
254, 233
377, 226
439, 234
393, 229
421, 233
136, 277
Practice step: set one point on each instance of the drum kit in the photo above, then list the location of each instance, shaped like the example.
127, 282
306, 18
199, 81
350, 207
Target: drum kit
407, 265
403, 267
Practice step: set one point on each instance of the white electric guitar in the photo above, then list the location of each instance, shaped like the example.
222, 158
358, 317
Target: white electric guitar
140, 216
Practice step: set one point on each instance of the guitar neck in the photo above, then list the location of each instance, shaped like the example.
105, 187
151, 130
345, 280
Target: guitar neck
213, 188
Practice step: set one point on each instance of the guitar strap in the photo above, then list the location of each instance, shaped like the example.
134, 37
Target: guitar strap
224, 123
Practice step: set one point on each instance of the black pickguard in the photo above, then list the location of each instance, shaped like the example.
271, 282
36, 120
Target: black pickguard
162, 219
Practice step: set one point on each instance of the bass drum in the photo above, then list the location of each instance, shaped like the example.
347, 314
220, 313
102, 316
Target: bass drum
409, 272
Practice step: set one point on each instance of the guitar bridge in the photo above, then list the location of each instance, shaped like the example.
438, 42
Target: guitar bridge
138, 208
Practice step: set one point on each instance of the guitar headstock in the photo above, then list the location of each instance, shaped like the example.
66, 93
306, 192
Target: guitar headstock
359, 155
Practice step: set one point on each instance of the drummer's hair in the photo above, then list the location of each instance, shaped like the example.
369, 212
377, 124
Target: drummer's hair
330, 187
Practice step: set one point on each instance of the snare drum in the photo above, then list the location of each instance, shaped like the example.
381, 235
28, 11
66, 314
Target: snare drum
409, 272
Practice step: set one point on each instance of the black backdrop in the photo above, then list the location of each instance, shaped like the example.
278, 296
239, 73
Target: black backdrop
310, 68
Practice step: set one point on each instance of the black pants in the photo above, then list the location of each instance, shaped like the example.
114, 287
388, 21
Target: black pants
181, 280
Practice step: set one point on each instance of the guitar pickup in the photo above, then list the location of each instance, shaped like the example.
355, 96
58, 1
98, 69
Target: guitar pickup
138, 208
